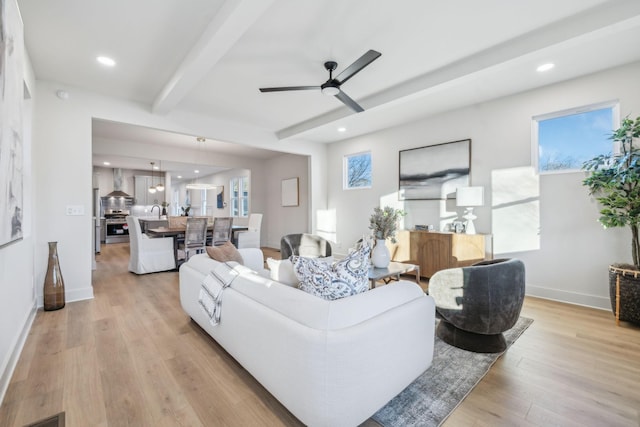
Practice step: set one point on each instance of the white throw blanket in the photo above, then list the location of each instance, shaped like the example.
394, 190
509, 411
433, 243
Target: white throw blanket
214, 284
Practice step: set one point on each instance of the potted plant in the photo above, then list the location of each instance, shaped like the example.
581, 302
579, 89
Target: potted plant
384, 223
614, 180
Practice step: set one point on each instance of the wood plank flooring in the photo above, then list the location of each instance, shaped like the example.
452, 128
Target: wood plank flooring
131, 357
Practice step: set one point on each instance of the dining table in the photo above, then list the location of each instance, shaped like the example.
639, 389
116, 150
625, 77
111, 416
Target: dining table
177, 232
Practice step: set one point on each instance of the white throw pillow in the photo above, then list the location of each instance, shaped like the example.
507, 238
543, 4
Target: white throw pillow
282, 271
346, 277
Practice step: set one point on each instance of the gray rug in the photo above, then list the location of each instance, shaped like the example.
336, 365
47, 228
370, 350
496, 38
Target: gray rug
430, 399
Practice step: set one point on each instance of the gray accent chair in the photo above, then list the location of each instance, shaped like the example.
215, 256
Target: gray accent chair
476, 304
306, 245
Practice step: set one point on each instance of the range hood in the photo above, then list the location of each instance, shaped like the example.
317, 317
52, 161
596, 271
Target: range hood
117, 184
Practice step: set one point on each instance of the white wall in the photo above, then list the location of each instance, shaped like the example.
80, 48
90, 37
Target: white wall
574, 251
17, 283
62, 157
286, 219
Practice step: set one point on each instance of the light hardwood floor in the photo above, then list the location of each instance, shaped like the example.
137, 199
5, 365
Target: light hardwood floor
131, 357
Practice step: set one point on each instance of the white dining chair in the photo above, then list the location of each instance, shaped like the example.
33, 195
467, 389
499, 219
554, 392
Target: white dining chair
148, 255
251, 237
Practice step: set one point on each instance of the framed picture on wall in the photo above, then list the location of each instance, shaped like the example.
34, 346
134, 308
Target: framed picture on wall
219, 192
290, 192
435, 171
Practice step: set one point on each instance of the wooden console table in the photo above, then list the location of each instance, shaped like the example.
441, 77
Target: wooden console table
434, 251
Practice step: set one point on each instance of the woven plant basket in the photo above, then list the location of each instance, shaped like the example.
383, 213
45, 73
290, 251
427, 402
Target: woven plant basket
624, 290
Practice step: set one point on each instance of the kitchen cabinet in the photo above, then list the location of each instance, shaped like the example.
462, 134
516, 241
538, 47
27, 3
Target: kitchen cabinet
435, 251
142, 195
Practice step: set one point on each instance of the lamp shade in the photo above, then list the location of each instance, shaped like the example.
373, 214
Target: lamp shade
470, 196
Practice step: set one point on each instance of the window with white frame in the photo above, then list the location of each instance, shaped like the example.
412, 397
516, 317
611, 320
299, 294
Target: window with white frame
357, 171
203, 203
563, 140
239, 198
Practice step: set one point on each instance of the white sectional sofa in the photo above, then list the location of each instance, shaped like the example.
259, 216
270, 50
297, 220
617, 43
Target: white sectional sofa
331, 363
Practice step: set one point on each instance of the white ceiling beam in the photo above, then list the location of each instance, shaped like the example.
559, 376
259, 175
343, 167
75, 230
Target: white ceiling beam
590, 23
233, 19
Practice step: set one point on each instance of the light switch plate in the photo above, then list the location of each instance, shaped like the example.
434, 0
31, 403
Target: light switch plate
75, 210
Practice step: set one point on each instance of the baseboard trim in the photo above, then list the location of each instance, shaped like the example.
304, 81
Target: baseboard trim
593, 301
11, 363
73, 295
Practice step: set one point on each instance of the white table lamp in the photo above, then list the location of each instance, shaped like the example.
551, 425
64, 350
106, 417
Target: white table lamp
469, 197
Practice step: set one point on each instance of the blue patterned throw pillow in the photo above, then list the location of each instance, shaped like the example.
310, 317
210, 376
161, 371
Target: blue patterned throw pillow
346, 277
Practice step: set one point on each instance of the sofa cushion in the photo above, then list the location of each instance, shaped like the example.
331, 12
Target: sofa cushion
225, 252
346, 277
281, 270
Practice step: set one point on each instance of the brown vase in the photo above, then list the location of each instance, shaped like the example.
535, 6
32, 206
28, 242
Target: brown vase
53, 282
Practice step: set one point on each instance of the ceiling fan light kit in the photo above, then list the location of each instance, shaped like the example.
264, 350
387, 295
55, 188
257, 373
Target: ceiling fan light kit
332, 86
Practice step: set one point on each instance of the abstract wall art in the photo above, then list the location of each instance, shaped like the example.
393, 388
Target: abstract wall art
11, 145
434, 172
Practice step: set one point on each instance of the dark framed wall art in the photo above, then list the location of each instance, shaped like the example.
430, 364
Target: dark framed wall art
435, 171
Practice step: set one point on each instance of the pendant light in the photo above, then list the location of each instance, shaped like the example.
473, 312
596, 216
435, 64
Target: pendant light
200, 185
160, 186
152, 189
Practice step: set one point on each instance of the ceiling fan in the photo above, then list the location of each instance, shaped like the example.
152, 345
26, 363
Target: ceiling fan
332, 86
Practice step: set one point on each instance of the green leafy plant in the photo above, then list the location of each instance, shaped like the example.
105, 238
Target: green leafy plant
384, 222
185, 210
614, 180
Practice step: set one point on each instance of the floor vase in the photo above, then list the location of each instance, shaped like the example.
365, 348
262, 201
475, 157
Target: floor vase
53, 282
380, 256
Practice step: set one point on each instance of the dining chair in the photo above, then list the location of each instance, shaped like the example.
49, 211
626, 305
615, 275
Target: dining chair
251, 237
221, 230
148, 255
195, 237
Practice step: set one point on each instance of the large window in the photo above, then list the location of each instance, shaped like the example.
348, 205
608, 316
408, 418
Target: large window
239, 196
562, 141
357, 171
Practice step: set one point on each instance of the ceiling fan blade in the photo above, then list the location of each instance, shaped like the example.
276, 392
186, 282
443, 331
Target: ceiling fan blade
282, 89
360, 63
349, 102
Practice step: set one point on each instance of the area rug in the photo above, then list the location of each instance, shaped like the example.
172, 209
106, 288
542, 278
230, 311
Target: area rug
430, 399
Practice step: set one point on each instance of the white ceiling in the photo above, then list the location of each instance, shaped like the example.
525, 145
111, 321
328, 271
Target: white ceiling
211, 56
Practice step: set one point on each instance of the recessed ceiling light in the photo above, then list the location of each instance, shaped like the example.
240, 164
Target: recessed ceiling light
196, 171
106, 163
156, 167
179, 176
545, 67
105, 60
342, 129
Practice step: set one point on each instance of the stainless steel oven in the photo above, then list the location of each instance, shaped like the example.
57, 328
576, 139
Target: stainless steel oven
117, 230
